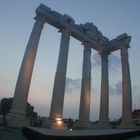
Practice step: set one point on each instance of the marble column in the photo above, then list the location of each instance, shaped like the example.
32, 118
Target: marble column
56, 111
17, 116
104, 100
126, 90
84, 110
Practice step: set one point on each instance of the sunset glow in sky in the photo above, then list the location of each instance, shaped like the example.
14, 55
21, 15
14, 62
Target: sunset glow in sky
112, 17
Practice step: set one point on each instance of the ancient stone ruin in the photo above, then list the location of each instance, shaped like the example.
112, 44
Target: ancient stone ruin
91, 38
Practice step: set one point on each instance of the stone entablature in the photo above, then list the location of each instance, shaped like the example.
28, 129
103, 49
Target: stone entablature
87, 32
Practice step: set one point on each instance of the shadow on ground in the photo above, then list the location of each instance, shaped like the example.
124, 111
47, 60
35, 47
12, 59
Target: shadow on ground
11, 134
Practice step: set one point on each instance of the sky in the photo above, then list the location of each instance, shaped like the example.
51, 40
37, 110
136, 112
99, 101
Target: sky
112, 17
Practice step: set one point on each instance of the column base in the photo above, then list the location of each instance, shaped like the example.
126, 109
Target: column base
55, 123
126, 124
82, 124
103, 125
17, 120
47, 123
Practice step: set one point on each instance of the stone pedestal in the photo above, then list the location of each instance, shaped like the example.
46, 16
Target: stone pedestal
58, 124
55, 123
17, 116
104, 101
82, 124
126, 90
17, 120
56, 110
102, 125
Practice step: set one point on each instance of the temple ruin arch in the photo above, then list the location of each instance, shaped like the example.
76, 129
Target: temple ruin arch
91, 38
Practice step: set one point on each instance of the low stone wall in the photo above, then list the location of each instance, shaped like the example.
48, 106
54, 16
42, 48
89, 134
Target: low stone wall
35, 135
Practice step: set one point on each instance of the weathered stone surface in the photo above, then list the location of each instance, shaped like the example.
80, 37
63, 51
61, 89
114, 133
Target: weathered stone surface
17, 116
84, 110
56, 110
126, 90
90, 35
104, 99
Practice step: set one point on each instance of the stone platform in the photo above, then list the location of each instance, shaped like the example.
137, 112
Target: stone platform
35, 133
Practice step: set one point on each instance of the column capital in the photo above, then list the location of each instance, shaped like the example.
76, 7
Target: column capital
124, 47
65, 31
40, 18
87, 48
124, 50
125, 44
104, 54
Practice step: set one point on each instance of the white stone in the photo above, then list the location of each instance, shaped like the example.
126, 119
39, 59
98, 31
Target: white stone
56, 110
126, 90
84, 110
104, 100
17, 116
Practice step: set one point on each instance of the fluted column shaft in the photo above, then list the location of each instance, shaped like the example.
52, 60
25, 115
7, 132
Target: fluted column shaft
56, 110
104, 101
25, 74
126, 88
84, 111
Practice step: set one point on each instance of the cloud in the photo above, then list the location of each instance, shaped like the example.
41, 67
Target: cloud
136, 97
136, 93
113, 61
116, 89
72, 84
136, 88
96, 60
